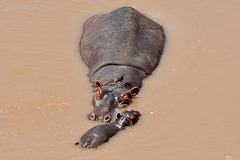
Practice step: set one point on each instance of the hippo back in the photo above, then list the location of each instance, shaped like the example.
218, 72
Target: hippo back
123, 37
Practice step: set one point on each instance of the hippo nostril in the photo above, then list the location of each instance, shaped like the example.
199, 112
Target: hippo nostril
92, 116
107, 118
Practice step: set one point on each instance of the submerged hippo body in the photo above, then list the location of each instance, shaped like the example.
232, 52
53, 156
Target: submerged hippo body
101, 133
120, 48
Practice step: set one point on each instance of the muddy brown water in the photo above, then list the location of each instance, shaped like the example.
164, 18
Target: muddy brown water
190, 105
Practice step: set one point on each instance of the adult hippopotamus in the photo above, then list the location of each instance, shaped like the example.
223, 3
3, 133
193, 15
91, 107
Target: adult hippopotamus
120, 48
101, 133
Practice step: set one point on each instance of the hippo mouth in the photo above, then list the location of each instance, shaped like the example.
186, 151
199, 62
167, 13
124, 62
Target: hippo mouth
133, 120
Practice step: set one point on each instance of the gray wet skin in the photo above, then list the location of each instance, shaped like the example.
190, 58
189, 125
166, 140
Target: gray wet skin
120, 48
101, 133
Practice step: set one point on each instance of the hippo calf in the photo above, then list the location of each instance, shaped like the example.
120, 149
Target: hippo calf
120, 48
101, 133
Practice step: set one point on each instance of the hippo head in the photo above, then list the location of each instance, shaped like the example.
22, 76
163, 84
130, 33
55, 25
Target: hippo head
108, 97
128, 117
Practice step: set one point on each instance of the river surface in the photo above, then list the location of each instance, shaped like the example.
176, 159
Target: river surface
190, 105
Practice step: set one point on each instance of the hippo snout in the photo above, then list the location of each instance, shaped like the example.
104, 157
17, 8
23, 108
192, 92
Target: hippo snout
100, 114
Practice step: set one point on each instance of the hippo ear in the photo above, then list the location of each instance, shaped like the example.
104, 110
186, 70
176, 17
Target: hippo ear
98, 84
134, 91
118, 115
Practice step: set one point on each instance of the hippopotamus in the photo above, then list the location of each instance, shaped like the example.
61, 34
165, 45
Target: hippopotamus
101, 133
120, 48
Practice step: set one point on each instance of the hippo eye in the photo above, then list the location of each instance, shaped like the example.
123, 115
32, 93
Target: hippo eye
98, 94
126, 102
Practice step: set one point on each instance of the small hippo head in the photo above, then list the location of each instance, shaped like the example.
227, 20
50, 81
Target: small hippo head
108, 97
128, 117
